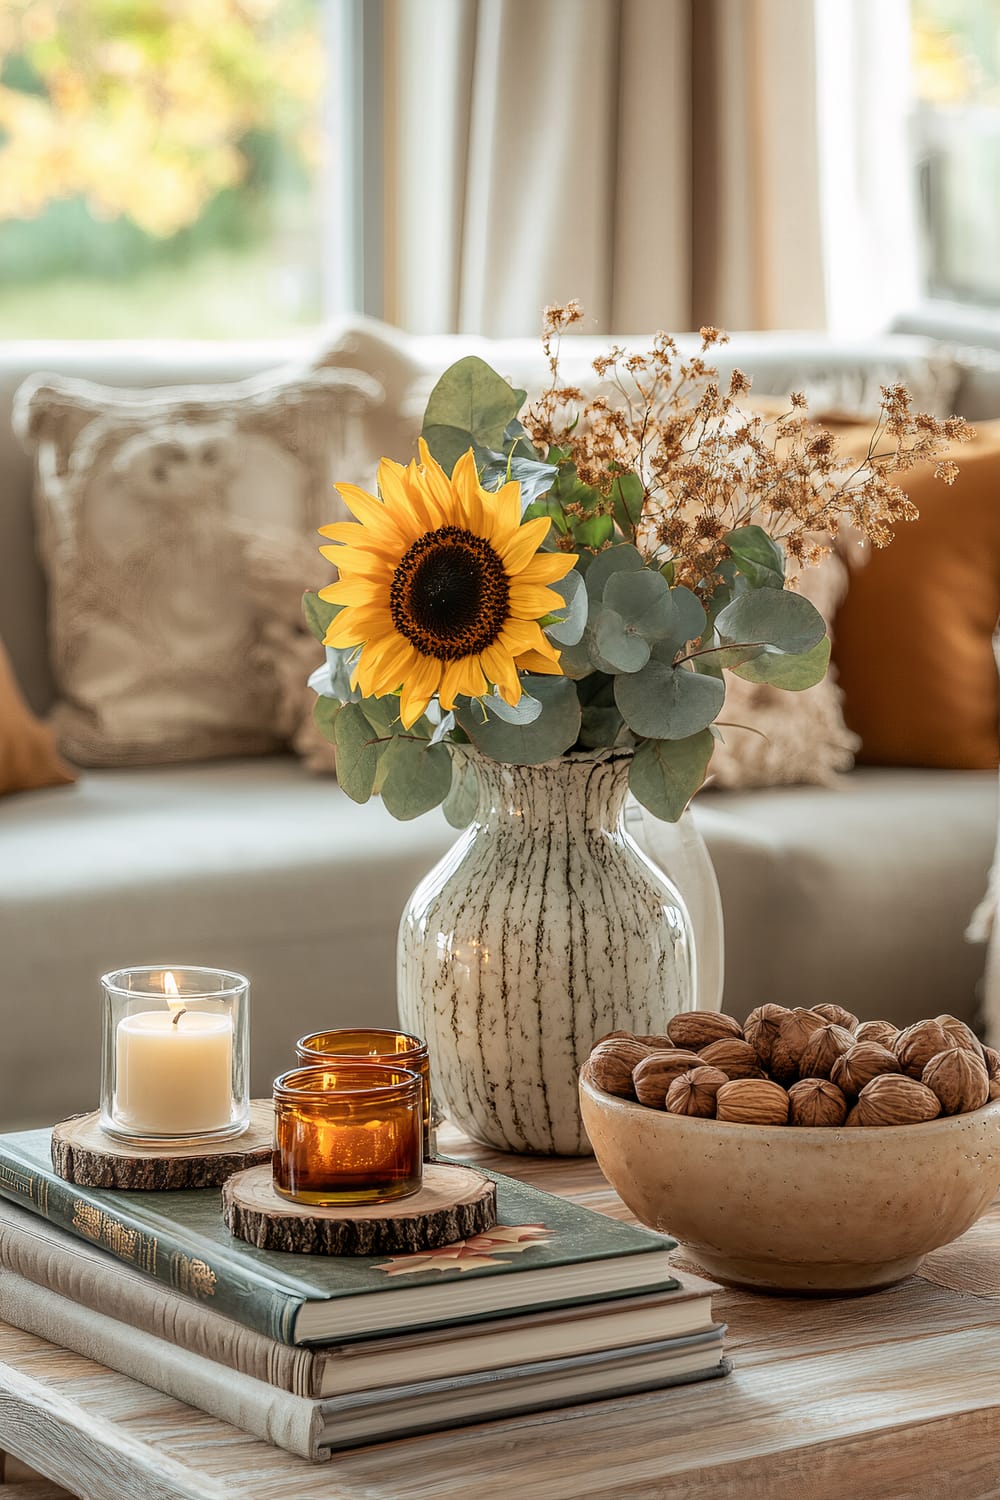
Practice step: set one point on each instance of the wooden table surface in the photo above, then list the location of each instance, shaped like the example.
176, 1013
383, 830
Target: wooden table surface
891, 1395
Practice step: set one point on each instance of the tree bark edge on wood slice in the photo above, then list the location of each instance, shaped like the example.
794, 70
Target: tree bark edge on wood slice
454, 1203
83, 1154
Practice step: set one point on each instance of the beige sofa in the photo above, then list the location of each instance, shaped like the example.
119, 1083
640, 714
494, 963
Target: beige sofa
859, 894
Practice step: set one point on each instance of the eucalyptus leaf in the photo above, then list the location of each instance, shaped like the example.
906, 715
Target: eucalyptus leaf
627, 495
600, 727
771, 617
534, 478
644, 602
340, 663
665, 774
525, 711
460, 805
473, 399
383, 715
416, 777
618, 644
443, 727
319, 614
594, 531
789, 671
447, 444
325, 711
575, 661
758, 558
622, 558
357, 754
547, 505
569, 630
550, 735
668, 703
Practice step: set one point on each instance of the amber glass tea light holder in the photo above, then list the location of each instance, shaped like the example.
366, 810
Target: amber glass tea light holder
395, 1049
175, 1059
348, 1132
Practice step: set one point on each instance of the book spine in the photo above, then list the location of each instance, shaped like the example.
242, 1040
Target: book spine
207, 1277
277, 1417
49, 1258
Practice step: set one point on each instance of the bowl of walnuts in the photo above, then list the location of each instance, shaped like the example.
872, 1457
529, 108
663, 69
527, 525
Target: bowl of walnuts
803, 1151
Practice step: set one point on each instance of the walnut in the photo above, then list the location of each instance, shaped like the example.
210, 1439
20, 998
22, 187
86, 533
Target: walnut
693, 1093
610, 1036
695, 1029
918, 1044
816, 1101
821, 1051
797, 1026
838, 1015
652, 1077
612, 1062
761, 1030
994, 1088
658, 1042
961, 1035
892, 1099
959, 1079
992, 1060
736, 1059
852, 1117
752, 1101
864, 1061
877, 1031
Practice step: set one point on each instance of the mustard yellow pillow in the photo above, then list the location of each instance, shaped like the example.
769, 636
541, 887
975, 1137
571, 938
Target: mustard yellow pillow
913, 640
28, 757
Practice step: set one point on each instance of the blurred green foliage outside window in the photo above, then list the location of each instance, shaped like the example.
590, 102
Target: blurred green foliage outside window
161, 167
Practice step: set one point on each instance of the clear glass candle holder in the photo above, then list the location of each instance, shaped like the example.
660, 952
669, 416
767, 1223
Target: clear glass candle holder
396, 1049
348, 1132
175, 1062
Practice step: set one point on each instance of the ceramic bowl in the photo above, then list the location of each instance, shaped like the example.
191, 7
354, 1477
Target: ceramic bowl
796, 1209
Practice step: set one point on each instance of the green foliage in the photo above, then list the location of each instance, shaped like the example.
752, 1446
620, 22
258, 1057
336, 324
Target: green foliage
771, 617
470, 407
568, 630
665, 774
459, 807
357, 752
325, 713
789, 671
668, 703
757, 557
627, 495
416, 776
319, 614
547, 737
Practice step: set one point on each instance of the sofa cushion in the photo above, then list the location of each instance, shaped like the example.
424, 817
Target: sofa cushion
255, 865
147, 502
914, 637
28, 758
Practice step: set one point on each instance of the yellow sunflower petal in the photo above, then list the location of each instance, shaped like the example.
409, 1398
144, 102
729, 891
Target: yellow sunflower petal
504, 512
534, 661
384, 664
520, 635
436, 482
499, 668
409, 507
465, 479
545, 567
418, 690
374, 516
462, 679
356, 591
528, 601
355, 625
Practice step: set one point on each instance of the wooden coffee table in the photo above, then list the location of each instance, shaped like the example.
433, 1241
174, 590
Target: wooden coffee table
891, 1395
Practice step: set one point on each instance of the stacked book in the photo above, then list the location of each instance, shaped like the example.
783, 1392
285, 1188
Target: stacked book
556, 1305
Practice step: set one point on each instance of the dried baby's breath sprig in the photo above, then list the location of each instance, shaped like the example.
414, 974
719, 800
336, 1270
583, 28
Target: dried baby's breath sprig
707, 466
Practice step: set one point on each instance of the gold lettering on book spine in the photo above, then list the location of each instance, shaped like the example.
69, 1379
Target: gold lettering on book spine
128, 1244
21, 1183
192, 1276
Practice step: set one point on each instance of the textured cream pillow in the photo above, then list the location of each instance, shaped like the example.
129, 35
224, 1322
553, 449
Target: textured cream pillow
788, 737
147, 501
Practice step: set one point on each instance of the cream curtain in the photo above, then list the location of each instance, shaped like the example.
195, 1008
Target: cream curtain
655, 158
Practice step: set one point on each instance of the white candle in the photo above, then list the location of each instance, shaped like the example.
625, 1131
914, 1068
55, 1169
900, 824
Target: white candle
174, 1074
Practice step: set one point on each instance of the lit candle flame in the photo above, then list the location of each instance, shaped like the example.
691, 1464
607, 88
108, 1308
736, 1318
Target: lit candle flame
173, 996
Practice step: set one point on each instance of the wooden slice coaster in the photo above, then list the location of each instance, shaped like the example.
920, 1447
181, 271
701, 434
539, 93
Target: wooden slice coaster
453, 1203
84, 1154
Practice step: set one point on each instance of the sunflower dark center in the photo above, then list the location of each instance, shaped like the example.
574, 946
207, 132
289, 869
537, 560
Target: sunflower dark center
449, 594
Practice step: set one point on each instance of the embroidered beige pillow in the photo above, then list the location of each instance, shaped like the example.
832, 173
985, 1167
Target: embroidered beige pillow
147, 502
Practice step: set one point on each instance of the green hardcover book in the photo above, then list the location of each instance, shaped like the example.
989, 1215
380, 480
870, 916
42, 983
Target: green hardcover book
544, 1252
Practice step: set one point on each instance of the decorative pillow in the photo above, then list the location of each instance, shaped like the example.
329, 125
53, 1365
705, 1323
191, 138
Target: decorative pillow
147, 501
28, 756
773, 737
279, 569
914, 642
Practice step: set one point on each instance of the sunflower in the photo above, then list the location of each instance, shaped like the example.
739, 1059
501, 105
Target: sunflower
441, 585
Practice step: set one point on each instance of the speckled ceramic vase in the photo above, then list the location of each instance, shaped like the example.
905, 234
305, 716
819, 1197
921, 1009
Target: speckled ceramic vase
542, 929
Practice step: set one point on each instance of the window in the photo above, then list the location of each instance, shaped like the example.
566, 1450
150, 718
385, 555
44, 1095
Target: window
165, 168
956, 129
